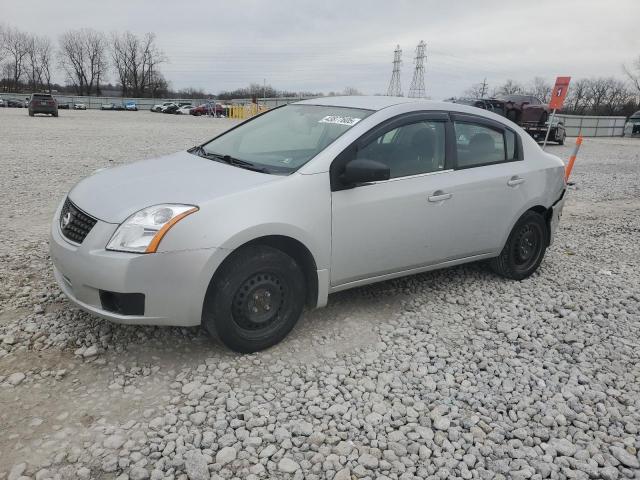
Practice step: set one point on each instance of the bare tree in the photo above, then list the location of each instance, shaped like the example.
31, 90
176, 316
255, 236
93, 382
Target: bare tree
510, 87
477, 90
541, 89
136, 61
596, 93
45, 57
577, 96
351, 91
633, 73
2, 43
83, 56
16, 47
39, 52
617, 96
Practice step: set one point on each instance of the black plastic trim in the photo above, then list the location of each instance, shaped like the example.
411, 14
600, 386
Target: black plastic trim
122, 303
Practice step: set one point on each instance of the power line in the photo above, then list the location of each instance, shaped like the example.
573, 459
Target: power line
417, 89
395, 89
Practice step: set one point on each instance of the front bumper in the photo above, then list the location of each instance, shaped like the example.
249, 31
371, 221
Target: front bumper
173, 283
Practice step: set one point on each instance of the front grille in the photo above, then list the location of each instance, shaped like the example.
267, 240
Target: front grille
74, 223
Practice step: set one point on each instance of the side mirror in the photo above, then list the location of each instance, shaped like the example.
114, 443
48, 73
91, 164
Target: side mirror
362, 170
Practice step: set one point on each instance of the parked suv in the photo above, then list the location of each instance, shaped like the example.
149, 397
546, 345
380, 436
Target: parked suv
240, 233
42, 103
632, 127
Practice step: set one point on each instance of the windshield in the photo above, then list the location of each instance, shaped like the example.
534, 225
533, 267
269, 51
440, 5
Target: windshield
284, 139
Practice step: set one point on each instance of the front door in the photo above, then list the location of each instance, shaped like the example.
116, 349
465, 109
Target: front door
385, 227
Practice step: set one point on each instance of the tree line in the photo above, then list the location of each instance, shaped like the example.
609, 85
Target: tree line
586, 96
87, 58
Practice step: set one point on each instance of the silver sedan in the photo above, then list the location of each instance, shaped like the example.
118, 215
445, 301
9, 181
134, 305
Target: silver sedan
240, 233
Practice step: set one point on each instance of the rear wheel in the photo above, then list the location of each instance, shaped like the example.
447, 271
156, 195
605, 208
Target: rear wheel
255, 299
524, 249
31, 113
563, 136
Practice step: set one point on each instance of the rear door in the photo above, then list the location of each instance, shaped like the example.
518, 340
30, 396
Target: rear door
489, 184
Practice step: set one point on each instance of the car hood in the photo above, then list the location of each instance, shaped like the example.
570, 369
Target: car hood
113, 194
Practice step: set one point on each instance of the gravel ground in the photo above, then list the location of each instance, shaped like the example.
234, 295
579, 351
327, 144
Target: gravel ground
450, 374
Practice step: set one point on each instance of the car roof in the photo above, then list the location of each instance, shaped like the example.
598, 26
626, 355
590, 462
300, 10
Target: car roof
368, 102
381, 102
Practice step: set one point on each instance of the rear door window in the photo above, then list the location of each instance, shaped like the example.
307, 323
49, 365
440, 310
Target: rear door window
478, 145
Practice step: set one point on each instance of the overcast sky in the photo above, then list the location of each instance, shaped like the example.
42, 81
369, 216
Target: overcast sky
328, 44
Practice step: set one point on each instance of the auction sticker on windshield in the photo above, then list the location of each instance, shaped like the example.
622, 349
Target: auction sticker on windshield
338, 120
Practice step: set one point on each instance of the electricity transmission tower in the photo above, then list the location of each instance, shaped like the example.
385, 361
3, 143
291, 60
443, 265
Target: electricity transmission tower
417, 89
395, 90
483, 88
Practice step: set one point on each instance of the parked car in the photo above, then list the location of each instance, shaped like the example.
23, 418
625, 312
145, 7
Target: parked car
632, 127
208, 109
42, 103
80, 106
158, 107
522, 109
111, 106
184, 110
170, 108
13, 103
63, 106
240, 233
131, 106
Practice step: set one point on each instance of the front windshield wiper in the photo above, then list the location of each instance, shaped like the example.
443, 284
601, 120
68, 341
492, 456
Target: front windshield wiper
236, 162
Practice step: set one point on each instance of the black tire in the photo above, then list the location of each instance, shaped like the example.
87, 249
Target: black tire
562, 138
31, 114
525, 248
255, 299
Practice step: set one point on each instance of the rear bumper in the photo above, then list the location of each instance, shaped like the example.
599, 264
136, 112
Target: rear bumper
42, 109
173, 284
556, 213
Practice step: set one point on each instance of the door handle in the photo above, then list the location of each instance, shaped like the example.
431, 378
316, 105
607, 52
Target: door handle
515, 180
439, 196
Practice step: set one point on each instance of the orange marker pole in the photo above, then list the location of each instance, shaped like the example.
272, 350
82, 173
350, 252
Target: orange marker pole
572, 159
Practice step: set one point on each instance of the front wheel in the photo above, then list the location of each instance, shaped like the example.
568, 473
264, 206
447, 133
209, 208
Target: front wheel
255, 299
562, 138
524, 249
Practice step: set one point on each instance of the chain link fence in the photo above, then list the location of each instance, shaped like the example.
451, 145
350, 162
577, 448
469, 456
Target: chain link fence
592, 125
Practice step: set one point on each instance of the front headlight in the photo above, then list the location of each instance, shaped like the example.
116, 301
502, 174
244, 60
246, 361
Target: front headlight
143, 231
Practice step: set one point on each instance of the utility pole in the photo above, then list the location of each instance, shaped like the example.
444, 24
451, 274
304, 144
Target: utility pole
483, 91
264, 91
417, 89
395, 90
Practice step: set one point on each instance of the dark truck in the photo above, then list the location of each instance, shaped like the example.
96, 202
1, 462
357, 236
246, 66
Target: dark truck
42, 103
525, 110
533, 116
